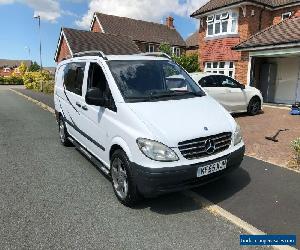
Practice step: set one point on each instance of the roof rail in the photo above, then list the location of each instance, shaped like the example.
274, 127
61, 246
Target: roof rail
90, 53
157, 54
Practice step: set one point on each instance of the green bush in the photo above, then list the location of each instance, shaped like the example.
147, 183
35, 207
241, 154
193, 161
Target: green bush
13, 80
39, 81
296, 148
188, 62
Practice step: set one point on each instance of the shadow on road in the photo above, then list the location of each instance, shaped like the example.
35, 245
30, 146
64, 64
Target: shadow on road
225, 187
176, 203
215, 192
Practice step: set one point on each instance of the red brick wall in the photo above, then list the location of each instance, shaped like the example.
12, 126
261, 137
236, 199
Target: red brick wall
96, 26
276, 15
221, 49
192, 51
63, 50
6, 74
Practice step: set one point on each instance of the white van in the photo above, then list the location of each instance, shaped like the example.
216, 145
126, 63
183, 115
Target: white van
144, 122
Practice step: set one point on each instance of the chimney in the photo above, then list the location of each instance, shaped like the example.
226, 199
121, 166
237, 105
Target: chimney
170, 22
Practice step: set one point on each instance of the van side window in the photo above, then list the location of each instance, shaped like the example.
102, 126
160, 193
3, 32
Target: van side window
208, 81
73, 77
97, 79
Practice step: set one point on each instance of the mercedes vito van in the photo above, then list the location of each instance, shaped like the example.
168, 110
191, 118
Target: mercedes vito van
144, 122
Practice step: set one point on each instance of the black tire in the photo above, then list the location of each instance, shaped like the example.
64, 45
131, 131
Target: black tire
254, 106
130, 196
63, 133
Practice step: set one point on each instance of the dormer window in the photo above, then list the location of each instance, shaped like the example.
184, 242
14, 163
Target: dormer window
286, 15
17, 71
222, 23
6, 70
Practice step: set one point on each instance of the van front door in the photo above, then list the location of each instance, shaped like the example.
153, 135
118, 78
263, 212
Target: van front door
95, 119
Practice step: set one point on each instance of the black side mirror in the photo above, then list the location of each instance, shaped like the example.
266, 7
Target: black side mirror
94, 97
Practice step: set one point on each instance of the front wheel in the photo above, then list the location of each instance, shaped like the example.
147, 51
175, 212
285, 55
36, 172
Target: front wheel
122, 179
254, 106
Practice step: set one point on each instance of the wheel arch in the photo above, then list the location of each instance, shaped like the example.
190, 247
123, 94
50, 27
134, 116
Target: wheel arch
119, 143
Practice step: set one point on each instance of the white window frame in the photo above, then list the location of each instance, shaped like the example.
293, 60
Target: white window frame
151, 48
230, 16
176, 51
6, 70
228, 69
286, 15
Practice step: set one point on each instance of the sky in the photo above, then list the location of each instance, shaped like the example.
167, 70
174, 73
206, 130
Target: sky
19, 36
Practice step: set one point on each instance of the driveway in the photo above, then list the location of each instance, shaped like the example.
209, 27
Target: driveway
256, 128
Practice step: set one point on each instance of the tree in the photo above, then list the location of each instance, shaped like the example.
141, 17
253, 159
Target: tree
22, 68
166, 48
34, 67
188, 62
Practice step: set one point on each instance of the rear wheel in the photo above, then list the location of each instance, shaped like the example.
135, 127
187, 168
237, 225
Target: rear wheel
254, 106
122, 179
63, 133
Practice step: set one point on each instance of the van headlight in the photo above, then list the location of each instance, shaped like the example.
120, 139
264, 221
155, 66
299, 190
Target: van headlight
237, 136
156, 151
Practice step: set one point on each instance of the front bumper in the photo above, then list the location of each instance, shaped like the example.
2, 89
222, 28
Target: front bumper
152, 182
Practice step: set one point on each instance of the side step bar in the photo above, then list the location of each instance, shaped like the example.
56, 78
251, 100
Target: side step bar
92, 158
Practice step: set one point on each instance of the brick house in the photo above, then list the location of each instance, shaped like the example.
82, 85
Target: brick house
119, 35
9, 67
147, 35
257, 42
192, 43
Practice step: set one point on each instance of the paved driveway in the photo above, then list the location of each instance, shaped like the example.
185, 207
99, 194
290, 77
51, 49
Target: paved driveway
256, 128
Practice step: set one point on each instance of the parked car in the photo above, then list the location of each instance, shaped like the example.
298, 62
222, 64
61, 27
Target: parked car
234, 96
145, 123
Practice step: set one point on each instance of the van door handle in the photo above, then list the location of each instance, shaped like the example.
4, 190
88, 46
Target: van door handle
84, 107
78, 104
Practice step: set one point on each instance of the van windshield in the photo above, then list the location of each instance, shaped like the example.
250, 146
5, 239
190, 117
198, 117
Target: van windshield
153, 80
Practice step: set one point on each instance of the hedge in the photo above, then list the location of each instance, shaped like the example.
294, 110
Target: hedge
39, 81
11, 80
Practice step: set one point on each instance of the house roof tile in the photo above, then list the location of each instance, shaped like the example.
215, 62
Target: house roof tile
140, 30
80, 40
218, 4
193, 40
13, 63
285, 32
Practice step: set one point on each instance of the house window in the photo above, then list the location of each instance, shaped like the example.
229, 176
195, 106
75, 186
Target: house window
6, 70
224, 68
176, 51
151, 48
222, 23
286, 15
17, 71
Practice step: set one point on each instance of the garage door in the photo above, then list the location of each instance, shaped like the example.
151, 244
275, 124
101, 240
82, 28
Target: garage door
287, 82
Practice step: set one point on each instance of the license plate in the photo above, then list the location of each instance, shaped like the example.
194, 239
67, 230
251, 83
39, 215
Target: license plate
211, 168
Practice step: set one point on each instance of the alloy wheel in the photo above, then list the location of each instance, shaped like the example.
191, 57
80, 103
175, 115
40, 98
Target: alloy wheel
119, 178
62, 134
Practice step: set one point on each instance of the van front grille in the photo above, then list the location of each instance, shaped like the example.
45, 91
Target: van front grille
205, 146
